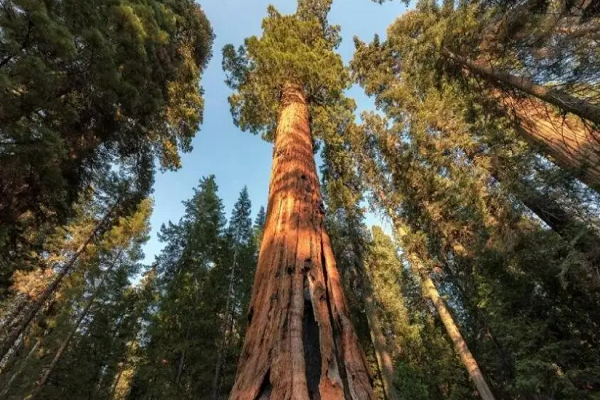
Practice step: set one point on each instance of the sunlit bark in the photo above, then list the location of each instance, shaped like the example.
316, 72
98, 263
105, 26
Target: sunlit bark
300, 343
568, 140
460, 345
560, 99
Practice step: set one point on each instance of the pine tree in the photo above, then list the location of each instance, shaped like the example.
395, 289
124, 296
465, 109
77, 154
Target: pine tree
425, 365
78, 346
185, 327
240, 245
259, 224
300, 341
451, 217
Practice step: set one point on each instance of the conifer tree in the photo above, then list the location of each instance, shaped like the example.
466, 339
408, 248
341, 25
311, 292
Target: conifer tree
240, 245
259, 224
185, 327
300, 341
452, 218
94, 320
513, 58
425, 365
86, 86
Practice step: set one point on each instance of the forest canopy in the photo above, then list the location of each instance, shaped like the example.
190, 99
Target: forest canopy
440, 243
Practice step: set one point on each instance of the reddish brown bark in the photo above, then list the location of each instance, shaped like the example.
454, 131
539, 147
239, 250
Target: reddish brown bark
568, 140
300, 343
572, 143
560, 99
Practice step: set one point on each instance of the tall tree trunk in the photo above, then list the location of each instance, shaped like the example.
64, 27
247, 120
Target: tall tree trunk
573, 230
65, 343
20, 370
32, 310
384, 358
115, 385
430, 291
460, 344
182, 361
228, 317
562, 100
572, 143
300, 343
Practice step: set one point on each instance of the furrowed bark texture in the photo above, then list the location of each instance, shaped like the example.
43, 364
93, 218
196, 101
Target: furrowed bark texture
571, 142
300, 343
568, 140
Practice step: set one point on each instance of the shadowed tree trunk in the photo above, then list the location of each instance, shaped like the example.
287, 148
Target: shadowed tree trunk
300, 343
6, 389
384, 358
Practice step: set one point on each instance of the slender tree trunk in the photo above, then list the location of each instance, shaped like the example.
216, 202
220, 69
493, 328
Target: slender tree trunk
30, 313
228, 317
459, 343
562, 100
113, 389
181, 362
300, 343
573, 230
65, 343
19, 302
479, 315
430, 291
384, 358
20, 370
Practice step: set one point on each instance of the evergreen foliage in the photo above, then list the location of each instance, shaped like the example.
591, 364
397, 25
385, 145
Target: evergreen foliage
85, 86
482, 157
189, 326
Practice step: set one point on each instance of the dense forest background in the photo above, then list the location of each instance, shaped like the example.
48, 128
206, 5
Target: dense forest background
481, 158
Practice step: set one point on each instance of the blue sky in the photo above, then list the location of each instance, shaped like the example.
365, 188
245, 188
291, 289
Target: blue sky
239, 158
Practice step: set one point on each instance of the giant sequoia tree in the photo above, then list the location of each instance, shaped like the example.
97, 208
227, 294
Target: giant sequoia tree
300, 342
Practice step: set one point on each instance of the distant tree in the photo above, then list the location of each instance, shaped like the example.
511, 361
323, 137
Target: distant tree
238, 265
